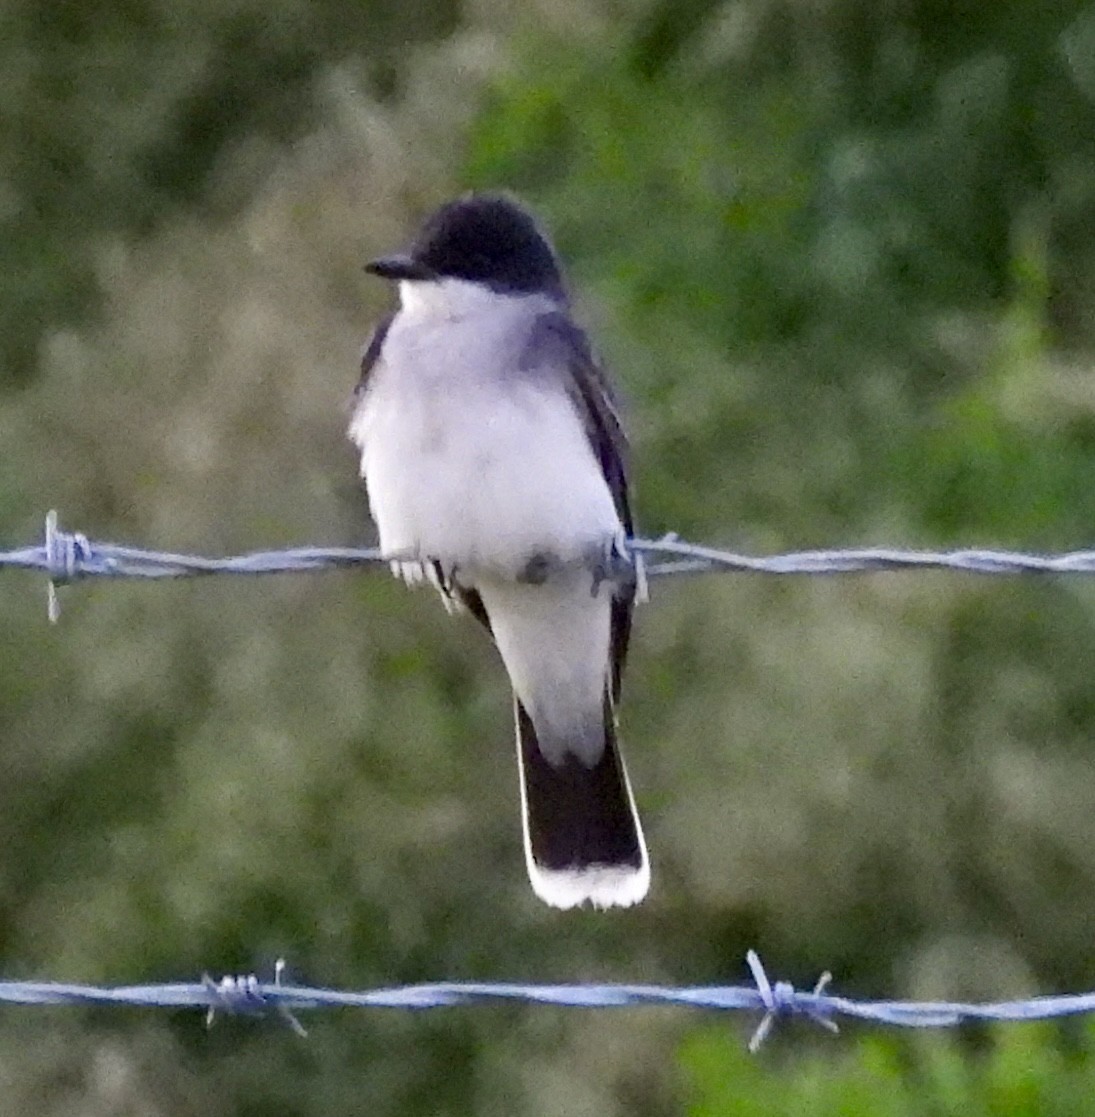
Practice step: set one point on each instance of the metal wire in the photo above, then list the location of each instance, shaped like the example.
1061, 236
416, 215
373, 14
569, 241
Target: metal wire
247, 995
68, 556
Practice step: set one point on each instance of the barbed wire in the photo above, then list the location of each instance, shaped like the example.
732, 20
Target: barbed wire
68, 556
776, 1001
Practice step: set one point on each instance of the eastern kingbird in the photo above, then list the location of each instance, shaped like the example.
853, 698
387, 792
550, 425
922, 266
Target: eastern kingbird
494, 460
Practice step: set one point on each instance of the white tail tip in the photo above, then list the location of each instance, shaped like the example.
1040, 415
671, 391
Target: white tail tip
602, 886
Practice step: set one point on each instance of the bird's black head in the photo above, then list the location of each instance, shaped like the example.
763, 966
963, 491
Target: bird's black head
485, 238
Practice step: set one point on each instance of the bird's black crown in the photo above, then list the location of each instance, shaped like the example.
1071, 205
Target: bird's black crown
491, 239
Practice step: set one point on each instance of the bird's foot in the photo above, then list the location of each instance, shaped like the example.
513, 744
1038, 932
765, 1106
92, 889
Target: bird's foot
614, 562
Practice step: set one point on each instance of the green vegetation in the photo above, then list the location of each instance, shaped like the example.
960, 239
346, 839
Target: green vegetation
841, 257
1023, 1073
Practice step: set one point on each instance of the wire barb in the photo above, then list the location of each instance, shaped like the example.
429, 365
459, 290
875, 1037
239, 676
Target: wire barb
244, 995
64, 555
782, 1000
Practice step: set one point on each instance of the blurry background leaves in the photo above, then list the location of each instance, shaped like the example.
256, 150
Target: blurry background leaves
841, 256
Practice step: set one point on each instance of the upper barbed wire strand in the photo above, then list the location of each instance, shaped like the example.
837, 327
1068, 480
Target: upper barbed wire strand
69, 556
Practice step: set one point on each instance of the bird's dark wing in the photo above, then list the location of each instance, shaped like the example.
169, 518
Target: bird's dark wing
371, 354
556, 343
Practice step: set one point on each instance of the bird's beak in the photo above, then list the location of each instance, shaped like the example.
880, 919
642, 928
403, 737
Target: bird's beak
399, 266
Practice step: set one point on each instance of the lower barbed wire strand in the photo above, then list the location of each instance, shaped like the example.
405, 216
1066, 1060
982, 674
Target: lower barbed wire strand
247, 995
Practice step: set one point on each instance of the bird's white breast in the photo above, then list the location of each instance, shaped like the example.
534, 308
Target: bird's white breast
466, 458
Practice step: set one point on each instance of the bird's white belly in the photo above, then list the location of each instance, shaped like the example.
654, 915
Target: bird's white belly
484, 477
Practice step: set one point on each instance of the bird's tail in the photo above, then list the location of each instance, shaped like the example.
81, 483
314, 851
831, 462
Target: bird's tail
583, 839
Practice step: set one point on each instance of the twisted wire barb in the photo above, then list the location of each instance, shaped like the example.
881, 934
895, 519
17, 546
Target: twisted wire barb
776, 1001
66, 556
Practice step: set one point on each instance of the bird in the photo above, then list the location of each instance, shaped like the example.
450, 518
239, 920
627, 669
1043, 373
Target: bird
495, 466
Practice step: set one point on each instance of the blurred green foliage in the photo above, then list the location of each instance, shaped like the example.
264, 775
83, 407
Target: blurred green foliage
881, 211
1023, 1073
841, 257
118, 113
